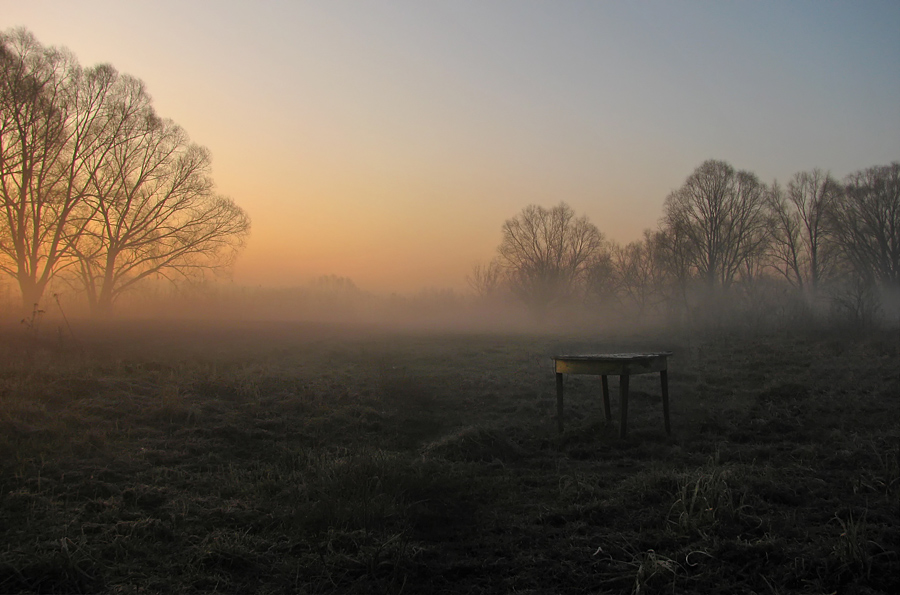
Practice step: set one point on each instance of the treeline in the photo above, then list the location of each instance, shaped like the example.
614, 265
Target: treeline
97, 191
728, 247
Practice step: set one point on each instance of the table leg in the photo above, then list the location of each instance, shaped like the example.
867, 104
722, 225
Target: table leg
605, 384
559, 401
623, 397
664, 380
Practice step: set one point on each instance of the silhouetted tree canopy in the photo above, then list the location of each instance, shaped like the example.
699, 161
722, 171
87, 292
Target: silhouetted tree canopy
546, 254
94, 183
866, 223
802, 241
486, 280
641, 275
719, 218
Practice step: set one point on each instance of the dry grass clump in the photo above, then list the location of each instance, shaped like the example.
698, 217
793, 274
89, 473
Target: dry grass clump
473, 444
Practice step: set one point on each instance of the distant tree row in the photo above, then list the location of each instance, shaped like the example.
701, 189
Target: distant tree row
724, 238
95, 187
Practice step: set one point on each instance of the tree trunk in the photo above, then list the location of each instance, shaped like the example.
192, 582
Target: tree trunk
104, 303
32, 292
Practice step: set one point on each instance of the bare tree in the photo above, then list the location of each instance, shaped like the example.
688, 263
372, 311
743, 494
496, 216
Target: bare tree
90, 176
719, 214
802, 249
155, 212
602, 280
486, 280
52, 127
546, 254
867, 223
641, 272
674, 253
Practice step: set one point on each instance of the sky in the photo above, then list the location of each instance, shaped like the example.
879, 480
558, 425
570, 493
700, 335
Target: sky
387, 141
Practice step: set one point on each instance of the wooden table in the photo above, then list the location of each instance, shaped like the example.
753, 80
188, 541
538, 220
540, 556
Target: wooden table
622, 365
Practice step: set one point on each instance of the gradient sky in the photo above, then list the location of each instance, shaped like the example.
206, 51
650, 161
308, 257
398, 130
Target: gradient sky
388, 141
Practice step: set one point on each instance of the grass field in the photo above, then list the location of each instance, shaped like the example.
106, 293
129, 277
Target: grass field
312, 459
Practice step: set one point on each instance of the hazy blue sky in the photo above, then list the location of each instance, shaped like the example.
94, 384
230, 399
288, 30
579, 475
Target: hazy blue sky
388, 141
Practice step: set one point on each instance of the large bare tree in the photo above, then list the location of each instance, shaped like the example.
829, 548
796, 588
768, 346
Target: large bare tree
90, 176
546, 253
155, 211
802, 247
866, 223
52, 128
719, 217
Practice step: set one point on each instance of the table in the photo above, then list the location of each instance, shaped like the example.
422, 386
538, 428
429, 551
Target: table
622, 365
